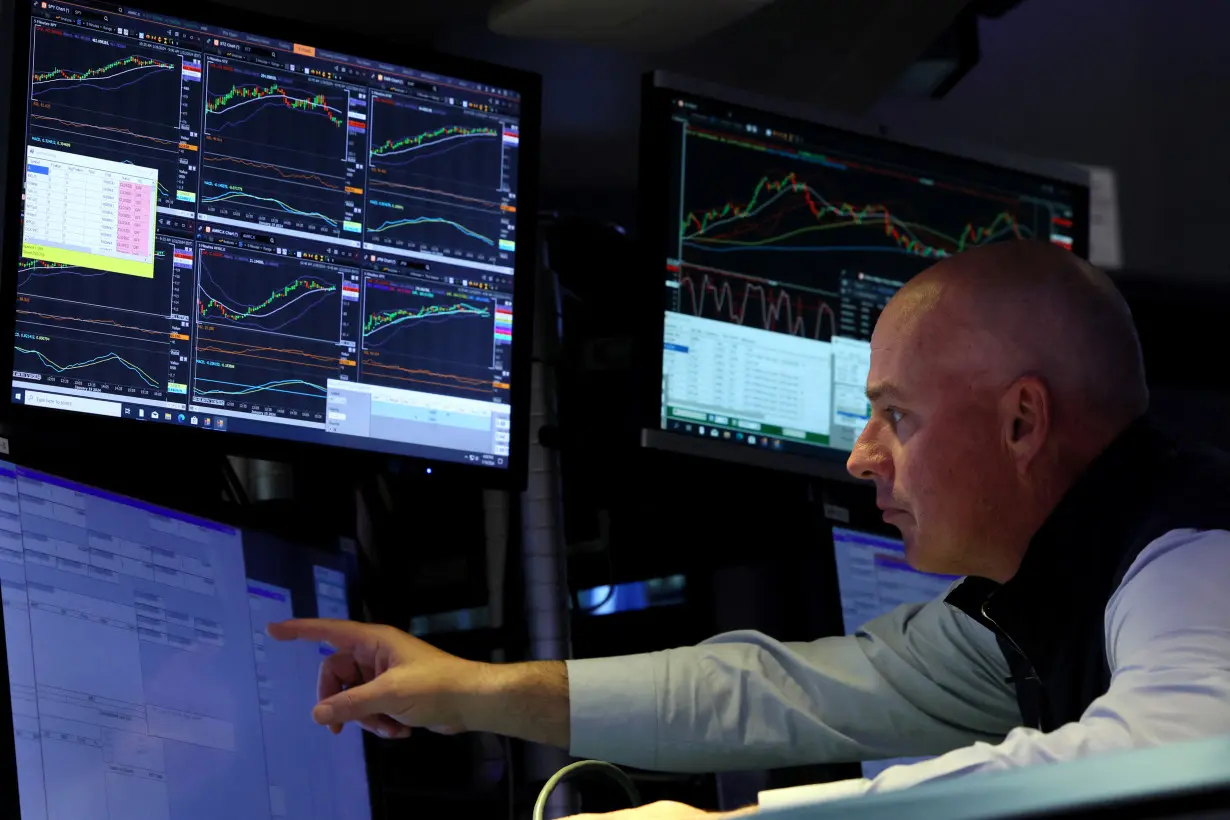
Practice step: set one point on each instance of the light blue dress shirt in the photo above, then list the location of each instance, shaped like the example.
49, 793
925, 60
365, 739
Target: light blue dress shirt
923, 680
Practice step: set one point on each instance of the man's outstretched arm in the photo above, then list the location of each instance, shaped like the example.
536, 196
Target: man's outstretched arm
921, 680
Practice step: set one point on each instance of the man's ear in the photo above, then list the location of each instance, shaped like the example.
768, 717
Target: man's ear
1026, 413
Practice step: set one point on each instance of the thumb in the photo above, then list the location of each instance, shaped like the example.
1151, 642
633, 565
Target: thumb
375, 697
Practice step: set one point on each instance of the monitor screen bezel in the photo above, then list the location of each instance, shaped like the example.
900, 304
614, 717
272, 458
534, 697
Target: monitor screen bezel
658, 89
148, 439
10, 806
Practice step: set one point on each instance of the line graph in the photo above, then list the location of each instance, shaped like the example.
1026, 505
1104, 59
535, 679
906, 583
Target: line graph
285, 378
268, 295
240, 96
432, 148
302, 208
275, 118
47, 283
133, 69
112, 100
262, 169
94, 330
750, 301
105, 83
383, 321
89, 363
268, 333
447, 228
420, 336
102, 325
429, 144
70, 356
291, 387
732, 226
802, 221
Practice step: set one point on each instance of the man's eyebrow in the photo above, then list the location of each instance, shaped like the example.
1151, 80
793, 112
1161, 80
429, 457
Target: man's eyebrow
882, 390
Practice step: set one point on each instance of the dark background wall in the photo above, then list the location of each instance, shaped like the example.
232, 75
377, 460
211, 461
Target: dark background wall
1137, 85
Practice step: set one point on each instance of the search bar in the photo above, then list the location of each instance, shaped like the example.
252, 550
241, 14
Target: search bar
77, 404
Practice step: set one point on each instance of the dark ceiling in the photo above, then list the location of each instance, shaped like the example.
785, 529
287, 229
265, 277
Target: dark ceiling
835, 53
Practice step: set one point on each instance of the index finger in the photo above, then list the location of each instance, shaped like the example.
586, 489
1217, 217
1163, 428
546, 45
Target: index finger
339, 634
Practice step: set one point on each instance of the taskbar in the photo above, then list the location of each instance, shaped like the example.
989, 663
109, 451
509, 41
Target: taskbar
205, 418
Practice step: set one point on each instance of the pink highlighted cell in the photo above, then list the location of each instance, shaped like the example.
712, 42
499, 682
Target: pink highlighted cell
133, 219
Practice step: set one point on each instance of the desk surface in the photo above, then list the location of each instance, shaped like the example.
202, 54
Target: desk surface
1167, 773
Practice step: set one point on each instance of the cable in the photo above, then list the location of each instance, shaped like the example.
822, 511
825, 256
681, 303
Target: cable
609, 769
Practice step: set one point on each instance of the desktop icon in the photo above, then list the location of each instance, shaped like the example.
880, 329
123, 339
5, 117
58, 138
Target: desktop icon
208, 422
193, 420
219, 424
181, 418
153, 414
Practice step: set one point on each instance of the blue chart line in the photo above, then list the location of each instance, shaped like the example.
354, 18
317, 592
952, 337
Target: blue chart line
270, 387
79, 84
56, 270
414, 156
277, 202
419, 220
106, 357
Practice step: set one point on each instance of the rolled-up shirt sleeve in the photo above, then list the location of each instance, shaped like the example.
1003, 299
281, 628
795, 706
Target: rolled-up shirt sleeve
1168, 647
921, 680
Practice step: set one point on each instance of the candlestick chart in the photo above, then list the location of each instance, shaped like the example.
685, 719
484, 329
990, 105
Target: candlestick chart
422, 337
108, 99
268, 333
803, 221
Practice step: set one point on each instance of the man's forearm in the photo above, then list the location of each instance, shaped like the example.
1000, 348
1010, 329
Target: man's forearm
522, 700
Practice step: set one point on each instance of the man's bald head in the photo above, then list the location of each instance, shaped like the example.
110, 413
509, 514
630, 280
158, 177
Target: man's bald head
996, 377
1033, 307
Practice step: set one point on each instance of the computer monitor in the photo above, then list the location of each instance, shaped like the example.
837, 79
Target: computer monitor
237, 224
780, 236
140, 678
873, 579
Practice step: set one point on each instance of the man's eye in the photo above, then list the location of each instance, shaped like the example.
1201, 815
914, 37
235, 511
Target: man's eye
894, 415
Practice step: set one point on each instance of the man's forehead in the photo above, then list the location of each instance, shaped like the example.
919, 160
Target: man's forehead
912, 341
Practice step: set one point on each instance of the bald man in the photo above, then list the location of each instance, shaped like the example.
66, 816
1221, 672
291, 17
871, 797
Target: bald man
1007, 444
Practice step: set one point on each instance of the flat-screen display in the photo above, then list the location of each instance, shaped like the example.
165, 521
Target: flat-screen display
873, 579
234, 231
140, 679
781, 240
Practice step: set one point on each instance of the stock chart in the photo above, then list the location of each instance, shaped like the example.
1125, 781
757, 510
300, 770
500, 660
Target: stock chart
224, 229
767, 242
110, 100
269, 332
434, 179
276, 151
425, 337
99, 331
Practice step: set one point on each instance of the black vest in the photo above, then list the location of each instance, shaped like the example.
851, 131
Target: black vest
1049, 618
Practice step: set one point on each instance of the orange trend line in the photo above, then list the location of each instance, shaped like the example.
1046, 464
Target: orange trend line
380, 183
284, 175
124, 131
332, 366
108, 322
484, 385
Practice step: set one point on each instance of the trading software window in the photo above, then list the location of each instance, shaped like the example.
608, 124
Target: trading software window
142, 683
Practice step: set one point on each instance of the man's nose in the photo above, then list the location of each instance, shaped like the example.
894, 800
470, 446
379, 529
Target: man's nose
867, 460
